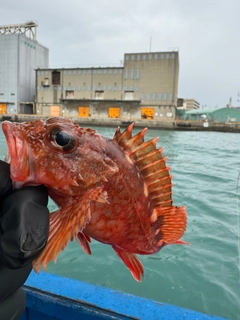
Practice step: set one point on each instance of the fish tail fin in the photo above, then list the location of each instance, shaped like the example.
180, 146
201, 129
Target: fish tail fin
132, 262
169, 225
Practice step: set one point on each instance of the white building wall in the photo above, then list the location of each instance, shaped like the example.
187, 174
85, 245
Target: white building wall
9, 70
19, 57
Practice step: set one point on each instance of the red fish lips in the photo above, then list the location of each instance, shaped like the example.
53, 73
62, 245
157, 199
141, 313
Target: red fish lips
18, 154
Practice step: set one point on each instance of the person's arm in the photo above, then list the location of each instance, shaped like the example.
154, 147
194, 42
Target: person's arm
24, 226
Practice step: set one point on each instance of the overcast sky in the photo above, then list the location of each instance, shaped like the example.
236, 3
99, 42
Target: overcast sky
205, 32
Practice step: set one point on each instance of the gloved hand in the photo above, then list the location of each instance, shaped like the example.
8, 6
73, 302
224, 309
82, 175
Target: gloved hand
24, 226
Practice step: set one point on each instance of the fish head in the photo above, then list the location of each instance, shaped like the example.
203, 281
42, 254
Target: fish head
57, 153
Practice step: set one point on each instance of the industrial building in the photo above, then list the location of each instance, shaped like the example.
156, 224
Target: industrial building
215, 115
144, 87
20, 55
187, 104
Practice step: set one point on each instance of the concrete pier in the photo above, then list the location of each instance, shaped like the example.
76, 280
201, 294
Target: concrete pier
178, 125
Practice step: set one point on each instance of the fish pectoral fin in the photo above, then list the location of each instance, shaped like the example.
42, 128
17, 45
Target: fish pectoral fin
84, 240
84, 209
66, 223
132, 262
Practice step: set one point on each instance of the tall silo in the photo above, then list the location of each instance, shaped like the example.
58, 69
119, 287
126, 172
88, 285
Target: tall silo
20, 55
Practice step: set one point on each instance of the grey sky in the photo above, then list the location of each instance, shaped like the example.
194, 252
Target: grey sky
206, 33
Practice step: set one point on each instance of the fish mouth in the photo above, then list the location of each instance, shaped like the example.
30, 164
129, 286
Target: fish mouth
17, 154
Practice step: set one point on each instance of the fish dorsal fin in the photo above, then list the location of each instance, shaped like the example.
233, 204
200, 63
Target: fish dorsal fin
168, 222
150, 162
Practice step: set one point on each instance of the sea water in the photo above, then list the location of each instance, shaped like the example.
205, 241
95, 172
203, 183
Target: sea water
203, 276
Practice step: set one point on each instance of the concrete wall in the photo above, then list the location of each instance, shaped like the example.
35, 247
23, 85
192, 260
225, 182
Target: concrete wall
145, 80
19, 57
156, 76
9, 71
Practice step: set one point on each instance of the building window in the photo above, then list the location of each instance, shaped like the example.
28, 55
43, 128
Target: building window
89, 71
109, 88
115, 71
167, 56
89, 88
104, 71
142, 96
79, 71
137, 74
69, 94
173, 55
127, 57
136, 89
125, 88
128, 95
79, 88
170, 97
65, 72
144, 57
69, 71
99, 94
132, 74
74, 71
110, 71
55, 78
94, 71
45, 82
138, 57
160, 97
120, 71
120, 88
84, 71
162, 56
155, 56
150, 57
165, 97
126, 74
132, 57
148, 96
100, 71
153, 96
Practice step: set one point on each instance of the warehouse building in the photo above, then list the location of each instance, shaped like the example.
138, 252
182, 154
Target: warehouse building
20, 55
145, 87
215, 115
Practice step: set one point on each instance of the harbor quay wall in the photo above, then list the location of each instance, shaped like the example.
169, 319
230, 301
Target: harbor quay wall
178, 125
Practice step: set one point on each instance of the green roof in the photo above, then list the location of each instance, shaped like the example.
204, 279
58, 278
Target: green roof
200, 111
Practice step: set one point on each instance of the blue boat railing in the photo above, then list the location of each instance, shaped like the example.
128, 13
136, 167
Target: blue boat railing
52, 297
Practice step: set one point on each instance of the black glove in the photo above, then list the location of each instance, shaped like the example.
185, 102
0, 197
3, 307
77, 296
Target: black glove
24, 226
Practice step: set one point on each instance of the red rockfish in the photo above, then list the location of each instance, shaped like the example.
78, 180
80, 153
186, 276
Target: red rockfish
117, 191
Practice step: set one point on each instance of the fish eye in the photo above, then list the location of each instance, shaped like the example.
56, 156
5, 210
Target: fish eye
61, 140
